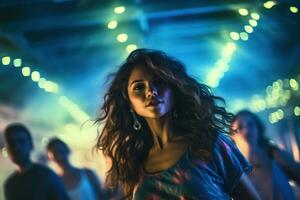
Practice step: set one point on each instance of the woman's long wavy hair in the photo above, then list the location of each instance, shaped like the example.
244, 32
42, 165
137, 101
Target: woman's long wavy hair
199, 117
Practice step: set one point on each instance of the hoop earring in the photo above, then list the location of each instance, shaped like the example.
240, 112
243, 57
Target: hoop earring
136, 124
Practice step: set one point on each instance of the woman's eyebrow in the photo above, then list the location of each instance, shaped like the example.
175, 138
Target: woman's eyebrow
134, 81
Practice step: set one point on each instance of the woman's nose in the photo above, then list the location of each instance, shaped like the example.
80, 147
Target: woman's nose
152, 91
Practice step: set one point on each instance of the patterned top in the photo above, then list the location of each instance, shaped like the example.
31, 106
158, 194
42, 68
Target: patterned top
191, 178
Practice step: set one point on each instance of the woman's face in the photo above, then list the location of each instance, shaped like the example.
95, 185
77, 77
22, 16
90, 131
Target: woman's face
245, 126
150, 96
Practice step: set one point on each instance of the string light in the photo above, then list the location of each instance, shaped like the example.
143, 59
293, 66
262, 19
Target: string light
244, 36
253, 23
41, 83
131, 47
35, 76
297, 111
122, 37
280, 92
48, 86
217, 72
269, 4
243, 11
294, 84
234, 35
5, 60
17, 62
248, 29
119, 9
255, 16
26, 71
293, 9
112, 24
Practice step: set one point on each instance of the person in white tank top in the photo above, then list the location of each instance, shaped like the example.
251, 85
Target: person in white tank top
81, 184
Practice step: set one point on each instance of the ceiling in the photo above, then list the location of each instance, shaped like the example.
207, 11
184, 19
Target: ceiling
69, 43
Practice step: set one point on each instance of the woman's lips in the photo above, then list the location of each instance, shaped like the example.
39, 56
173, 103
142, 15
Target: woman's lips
153, 104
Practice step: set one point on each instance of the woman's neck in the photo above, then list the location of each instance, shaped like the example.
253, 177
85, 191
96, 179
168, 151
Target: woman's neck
161, 129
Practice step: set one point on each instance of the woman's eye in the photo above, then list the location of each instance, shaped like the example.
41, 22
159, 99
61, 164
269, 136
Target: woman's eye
138, 87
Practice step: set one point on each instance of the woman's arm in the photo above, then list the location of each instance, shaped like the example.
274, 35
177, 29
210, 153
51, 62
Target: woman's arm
245, 190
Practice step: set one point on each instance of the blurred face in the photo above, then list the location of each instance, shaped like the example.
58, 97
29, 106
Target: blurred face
58, 153
245, 126
150, 96
18, 146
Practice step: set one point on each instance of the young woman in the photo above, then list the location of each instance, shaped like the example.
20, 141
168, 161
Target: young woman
162, 132
272, 167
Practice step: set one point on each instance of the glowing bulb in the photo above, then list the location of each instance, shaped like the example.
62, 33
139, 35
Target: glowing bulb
48, 86
234, 35
112, 24
248, 29
271, 118
41, 82
17, 62
131, 47
119, 9
294, 84
252, 22
243, 11
280, 114
244, 36
293, 9
297, 111
35, 76
269, 4
255, 16
122, 37
5, 60
26, 71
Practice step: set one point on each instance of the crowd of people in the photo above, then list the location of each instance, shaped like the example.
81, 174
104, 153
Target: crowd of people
167, 137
